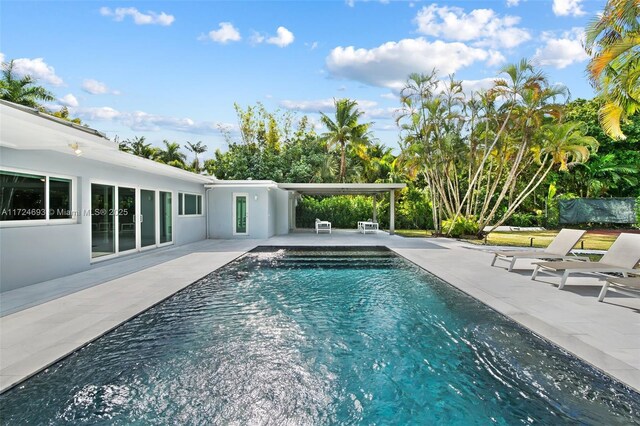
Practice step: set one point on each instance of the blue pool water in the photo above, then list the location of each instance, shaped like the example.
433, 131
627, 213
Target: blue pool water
348, 336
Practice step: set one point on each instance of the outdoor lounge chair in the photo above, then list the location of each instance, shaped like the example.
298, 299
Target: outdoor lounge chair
369, 225
621, 285
622, 257
558, 249
323, 225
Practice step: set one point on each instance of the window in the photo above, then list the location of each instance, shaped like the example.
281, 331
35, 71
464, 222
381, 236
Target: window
189, 204
27, 197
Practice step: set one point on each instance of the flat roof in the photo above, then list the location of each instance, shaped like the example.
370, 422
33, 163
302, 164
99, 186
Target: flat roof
24, 128
341, 188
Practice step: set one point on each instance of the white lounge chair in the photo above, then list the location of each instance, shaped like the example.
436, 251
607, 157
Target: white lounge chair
323, 225
622, 257
558, 249
629, 286
369, 225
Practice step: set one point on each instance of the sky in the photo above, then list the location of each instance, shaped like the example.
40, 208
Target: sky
173, 70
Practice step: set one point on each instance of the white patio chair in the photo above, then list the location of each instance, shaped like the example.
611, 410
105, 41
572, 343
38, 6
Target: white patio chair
622, 257
558, 249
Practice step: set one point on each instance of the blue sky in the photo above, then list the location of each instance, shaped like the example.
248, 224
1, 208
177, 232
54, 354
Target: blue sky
172, 70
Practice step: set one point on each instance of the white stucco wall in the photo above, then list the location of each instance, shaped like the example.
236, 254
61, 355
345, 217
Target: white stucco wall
220, 210
30, 254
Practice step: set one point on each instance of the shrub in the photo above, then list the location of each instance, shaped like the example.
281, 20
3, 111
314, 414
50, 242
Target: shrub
461, 226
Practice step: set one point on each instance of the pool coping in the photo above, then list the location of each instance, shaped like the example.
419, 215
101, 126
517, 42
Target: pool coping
37, 337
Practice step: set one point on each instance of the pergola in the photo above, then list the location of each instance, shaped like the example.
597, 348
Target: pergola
372, 189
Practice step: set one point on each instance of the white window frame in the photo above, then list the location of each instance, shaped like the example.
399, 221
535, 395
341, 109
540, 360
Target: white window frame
181, 195
46, 221
233, 224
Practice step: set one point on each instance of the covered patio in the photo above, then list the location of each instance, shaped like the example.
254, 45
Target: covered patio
328, 189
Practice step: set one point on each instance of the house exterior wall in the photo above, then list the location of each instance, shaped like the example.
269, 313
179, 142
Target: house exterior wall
35, 253
220, 208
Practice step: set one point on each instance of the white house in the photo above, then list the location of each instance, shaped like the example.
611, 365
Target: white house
70, 198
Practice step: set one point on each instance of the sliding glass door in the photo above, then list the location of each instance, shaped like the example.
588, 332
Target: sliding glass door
103, 242
147, 218
127, 219
127, 229
166, 218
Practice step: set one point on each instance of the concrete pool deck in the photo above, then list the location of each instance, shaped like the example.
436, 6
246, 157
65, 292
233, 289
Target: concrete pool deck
43, 323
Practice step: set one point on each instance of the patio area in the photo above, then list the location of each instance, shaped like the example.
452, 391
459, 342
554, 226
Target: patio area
42, 323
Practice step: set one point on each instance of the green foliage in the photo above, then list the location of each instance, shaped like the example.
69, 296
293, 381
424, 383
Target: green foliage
22, 90
342, 211
461, 226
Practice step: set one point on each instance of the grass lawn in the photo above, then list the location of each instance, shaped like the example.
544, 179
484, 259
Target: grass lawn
592, 240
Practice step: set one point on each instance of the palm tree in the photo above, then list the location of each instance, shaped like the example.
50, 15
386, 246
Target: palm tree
197, 148
22, 90
139, 147
345, 129
172, 155
613, 41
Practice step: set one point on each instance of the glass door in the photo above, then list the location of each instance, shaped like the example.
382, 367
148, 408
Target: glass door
166, 223
127, 229
102, 220
240, 209
147, 218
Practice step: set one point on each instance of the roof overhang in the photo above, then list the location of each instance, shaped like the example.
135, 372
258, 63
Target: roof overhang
24, 128
248, 183
341, 188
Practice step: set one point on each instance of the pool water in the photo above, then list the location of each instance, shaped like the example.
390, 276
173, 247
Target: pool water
300, 336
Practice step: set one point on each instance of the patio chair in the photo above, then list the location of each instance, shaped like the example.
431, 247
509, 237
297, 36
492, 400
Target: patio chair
558, 249
621, 285
368, 225
622, 257
322, 225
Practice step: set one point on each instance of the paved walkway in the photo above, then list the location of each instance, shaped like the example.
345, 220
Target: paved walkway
42, 323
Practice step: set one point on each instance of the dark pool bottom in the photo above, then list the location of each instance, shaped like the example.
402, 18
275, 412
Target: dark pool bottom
299, 336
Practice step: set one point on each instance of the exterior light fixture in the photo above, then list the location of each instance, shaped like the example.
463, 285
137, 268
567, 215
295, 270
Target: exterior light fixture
76, 148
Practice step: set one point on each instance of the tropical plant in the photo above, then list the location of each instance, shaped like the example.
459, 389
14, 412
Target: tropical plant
483, 156
613, 41
345, 130
196, 148
22, 90
172, 154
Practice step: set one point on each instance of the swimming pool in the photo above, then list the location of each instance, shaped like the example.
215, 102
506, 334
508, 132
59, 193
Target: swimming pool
317, 336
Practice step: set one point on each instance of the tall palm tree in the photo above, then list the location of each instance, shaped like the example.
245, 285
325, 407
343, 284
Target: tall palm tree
196, 148
613, 41
21, 90
345, 129
138, 146
172, 155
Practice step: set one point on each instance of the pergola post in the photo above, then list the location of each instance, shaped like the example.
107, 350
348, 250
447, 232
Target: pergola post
375, 209
392, 212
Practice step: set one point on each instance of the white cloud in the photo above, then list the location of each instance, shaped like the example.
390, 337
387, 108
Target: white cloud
495, 58
482, 27
568, 7
256, 38
512, 3
312, 46
371, 109
391, 96
225, 34
1, 57
143, 121
320, 105
38, 69
150, 18
96, 87
69, 100
563, 51
283, 38
389, 64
